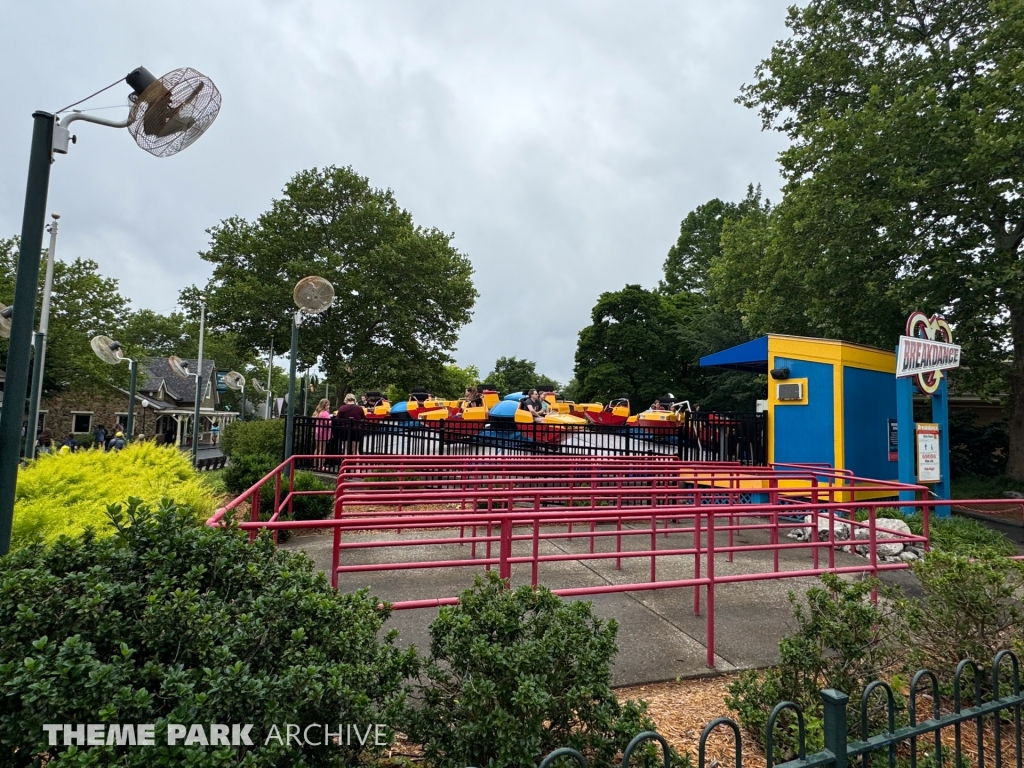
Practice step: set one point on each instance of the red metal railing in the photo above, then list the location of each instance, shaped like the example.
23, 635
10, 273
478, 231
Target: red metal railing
506, 508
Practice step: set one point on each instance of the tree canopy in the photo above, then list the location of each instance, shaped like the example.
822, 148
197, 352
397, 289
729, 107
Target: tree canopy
83, 304
402, 292
511, 374
905, 187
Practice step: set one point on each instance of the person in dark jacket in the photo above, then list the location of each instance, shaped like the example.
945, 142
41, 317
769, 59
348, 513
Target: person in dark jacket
347, 424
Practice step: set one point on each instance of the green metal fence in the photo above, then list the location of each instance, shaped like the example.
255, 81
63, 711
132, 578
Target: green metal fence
921, 741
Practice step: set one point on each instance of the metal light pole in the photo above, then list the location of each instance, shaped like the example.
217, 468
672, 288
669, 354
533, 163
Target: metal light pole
199, 384
26, 287
133, 366
270, 370
39, 358
290, 422
166, 116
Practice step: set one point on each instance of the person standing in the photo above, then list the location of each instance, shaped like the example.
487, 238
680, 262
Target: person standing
349, 418
322, 429
45, 442
116, 442
99, 436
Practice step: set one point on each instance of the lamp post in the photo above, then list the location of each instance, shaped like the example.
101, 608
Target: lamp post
39, 358
312, 296
167, 115
199, 383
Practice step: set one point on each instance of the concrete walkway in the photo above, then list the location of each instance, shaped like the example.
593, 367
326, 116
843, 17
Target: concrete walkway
659, 636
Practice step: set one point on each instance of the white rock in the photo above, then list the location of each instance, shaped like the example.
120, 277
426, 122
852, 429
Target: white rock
842, 530
884, 529
907, 556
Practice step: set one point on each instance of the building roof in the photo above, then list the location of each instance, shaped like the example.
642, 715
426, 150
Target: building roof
158, 371
751, 357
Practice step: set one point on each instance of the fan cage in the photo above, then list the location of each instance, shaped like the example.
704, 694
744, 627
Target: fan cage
185, 98
313, 294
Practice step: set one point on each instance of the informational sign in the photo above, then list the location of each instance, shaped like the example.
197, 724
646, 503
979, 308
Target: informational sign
928, 468
222, 386
894, 441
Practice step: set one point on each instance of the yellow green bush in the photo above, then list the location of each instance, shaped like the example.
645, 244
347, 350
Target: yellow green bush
60, 494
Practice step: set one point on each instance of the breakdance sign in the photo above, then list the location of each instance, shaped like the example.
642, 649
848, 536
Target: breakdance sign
926, 351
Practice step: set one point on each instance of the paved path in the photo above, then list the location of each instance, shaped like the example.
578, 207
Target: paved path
659, 636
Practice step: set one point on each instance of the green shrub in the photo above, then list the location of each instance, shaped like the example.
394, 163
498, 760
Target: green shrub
171, 621
246, 470
971, 610
85, 440
264, 436
62, 494
842, 641
515, 674
312, 507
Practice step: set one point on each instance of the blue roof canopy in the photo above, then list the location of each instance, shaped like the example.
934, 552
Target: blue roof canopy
751, 357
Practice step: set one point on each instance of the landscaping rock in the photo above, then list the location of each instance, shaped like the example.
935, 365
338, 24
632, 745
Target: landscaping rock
908, 556
842, 530
884, 529
1013, 495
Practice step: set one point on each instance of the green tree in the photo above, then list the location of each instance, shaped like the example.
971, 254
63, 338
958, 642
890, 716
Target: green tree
905, 187
402, 291
511, 374
632, 347
83, 304
454, 380
688, 264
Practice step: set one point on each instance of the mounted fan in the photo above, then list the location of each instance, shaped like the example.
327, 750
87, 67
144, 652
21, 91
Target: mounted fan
5, 321
107, 350
179, 367
171, 112
234, 380
259, 388
313, 294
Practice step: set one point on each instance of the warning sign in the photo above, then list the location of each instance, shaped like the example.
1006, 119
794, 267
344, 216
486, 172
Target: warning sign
928, 467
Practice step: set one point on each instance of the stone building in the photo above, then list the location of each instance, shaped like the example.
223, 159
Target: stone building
164, 404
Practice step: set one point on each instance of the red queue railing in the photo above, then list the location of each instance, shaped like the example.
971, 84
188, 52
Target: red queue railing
526, 501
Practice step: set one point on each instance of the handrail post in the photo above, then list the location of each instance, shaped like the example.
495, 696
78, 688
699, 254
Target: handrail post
505, 549
835, 725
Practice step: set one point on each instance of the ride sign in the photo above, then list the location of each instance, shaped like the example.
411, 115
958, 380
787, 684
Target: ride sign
926, 351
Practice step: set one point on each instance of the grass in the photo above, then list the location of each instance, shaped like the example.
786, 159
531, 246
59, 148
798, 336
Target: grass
974, 487
958, 535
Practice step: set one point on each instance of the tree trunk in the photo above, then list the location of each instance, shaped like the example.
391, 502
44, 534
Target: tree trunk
1015, 465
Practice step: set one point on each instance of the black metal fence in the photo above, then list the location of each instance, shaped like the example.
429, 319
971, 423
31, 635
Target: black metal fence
738, 437
920, 742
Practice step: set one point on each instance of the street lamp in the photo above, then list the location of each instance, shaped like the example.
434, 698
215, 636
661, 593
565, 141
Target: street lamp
39, 358
166, 116
312, 296
111, 353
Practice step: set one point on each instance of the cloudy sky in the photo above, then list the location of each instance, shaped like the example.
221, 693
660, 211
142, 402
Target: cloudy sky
561, 142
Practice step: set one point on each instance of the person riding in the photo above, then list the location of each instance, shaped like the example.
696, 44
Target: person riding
534, 405
473, 397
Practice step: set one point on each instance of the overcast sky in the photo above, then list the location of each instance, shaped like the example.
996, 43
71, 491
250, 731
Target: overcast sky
561, 142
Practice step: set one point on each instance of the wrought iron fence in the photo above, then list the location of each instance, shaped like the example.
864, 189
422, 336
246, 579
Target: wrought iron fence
739, 437
894, 745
